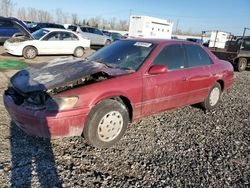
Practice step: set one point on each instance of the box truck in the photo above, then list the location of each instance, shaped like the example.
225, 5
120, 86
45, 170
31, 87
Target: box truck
149, 27
218, 39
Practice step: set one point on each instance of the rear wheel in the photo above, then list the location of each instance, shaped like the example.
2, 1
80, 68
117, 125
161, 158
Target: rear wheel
79, 52
213, 97
241, 65
29, 52
106, 123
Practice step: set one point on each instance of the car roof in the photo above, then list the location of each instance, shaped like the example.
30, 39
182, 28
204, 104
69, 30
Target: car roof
161, 41
152, 40
46, 23
89, 27
56, 29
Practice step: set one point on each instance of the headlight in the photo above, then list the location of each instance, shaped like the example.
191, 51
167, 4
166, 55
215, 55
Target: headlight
61, 103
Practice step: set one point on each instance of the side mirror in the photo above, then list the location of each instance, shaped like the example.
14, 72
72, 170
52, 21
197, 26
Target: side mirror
157, 69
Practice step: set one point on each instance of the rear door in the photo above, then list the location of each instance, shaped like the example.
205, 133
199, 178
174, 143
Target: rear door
100, 37
167, 90
199, 73
88, 33
69, 42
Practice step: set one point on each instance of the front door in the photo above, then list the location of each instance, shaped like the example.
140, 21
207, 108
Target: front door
50, 44
167, 90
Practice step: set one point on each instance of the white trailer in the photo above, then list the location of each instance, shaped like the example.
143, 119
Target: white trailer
149, 27
218, 39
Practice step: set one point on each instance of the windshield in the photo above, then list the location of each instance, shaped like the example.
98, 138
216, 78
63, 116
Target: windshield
126, 54
39, 33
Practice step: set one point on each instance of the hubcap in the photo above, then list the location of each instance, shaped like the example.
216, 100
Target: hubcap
110, 126
214, 96
31, 53
243, 64
79, 52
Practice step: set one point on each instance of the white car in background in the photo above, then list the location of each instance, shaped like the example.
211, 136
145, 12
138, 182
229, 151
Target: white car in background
47, 41
96, 36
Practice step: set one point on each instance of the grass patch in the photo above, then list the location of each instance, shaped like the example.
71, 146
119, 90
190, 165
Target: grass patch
12, 65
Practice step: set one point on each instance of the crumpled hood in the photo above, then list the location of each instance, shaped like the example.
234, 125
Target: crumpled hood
58, 73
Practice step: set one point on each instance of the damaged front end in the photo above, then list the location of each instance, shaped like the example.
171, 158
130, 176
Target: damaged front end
33, 100
37, 88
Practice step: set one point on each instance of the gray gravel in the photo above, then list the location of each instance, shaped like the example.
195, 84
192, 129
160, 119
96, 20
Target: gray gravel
181, 148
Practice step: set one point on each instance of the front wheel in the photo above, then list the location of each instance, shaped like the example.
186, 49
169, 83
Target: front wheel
106, 123
213, 97
29, 52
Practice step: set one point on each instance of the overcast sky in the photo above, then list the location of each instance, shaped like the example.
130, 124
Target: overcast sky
192, 15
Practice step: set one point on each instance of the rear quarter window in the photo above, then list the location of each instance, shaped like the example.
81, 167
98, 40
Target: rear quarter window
84, 29
197, 56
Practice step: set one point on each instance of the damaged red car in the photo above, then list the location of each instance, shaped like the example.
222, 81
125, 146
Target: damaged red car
99, 96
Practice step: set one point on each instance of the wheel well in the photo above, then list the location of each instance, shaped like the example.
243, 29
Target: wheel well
30, 46
127, 103
79, 47
221, 82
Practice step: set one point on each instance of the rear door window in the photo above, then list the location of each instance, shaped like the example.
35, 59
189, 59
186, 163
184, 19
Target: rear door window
91, 30
197, 56
84, 29
65, 36
98, 32
172, 56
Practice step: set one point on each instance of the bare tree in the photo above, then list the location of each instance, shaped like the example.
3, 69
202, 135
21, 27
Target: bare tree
65, 18
75, 20
22, 14
122, 25
32, 14
112, 23
95, 22
104, 24
59, 16
44, 16
7, 7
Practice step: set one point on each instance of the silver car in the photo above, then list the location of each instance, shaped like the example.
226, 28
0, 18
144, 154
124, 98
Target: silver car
96, 36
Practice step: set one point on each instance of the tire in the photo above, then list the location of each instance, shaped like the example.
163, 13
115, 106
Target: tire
108, 42
213, 97
241, 65
106, 123
29, 52
79, 52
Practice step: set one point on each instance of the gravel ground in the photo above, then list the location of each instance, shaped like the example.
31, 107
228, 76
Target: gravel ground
181, 148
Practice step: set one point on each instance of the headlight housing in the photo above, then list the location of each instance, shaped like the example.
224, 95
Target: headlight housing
61, 103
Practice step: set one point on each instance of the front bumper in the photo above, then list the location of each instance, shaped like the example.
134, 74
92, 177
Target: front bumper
13, 49
47, 124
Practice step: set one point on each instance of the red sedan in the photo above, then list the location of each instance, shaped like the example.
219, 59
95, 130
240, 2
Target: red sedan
127, 80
